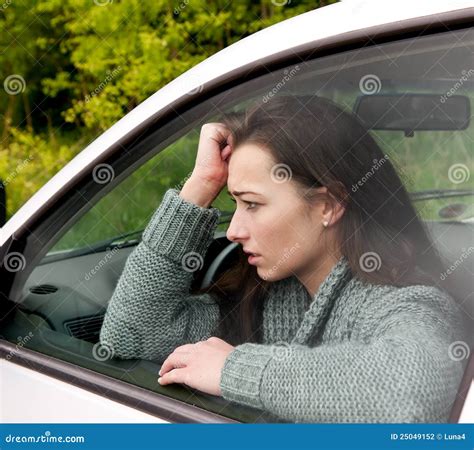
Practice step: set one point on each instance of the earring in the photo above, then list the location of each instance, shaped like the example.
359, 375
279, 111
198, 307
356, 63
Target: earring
325, 223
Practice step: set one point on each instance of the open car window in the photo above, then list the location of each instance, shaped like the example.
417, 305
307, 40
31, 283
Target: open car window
62, 303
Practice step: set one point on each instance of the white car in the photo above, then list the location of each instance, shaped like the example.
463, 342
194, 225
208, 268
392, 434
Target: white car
62, 253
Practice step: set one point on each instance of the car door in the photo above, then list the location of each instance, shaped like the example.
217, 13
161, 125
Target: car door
61, 266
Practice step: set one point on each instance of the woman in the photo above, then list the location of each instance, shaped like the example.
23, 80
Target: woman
336, 315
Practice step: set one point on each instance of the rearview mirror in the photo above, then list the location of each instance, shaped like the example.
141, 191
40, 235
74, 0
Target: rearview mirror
413, 112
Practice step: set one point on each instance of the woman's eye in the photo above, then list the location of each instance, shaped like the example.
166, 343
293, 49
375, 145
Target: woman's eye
251, 205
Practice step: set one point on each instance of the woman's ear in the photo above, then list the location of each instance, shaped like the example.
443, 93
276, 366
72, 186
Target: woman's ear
333, 212
333, 209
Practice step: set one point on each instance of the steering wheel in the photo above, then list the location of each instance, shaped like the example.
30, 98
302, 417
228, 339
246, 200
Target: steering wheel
223, 257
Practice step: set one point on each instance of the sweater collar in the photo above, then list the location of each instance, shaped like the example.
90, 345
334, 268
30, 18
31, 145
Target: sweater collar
323, 302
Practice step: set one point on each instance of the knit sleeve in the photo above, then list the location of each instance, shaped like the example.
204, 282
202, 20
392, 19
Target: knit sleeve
408, 371
151, 311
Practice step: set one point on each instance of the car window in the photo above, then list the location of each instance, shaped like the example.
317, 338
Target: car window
65, 297
428, 161
125, 211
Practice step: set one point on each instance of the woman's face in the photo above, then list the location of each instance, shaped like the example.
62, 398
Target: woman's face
271, 219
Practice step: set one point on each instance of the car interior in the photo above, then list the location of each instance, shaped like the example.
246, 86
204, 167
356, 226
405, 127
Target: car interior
65, 308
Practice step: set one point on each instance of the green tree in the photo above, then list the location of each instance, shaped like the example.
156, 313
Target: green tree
75, 67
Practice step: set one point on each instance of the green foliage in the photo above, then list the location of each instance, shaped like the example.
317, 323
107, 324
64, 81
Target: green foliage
86, 63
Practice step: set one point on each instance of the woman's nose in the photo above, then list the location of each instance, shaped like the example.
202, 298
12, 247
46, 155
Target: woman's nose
236, 230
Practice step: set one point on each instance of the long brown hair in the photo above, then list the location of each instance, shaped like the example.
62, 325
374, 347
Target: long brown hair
325, 146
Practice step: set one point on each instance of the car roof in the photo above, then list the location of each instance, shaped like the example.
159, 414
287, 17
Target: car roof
329, 21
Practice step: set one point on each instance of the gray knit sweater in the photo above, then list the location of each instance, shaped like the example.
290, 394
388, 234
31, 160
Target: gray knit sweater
356, 352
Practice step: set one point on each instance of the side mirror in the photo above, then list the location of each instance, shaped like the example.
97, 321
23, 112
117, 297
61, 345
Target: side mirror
3, 205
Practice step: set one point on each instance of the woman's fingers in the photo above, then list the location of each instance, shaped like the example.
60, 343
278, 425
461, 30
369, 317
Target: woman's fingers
174, 360
226, 152
173, 376
210, 166
200, 368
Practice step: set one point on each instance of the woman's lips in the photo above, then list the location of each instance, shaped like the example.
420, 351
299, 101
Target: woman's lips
253, 259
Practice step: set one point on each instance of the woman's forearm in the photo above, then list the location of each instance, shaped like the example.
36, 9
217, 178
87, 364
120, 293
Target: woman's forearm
151, 310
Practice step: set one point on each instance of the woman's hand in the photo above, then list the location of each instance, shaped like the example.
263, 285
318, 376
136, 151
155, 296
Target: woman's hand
210, 171
215, 142
197, 365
